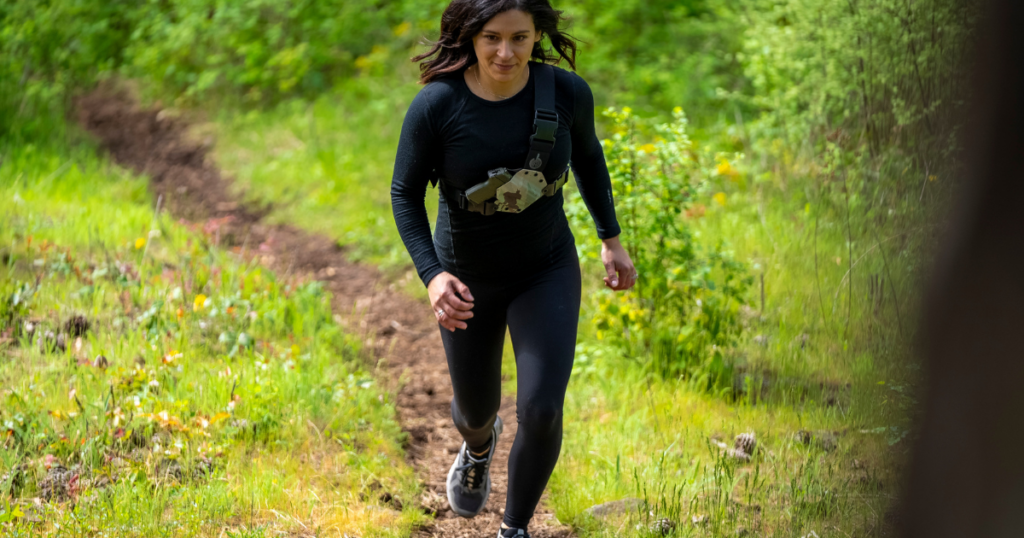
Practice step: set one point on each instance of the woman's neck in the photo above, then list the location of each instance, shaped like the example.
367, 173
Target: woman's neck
493, 90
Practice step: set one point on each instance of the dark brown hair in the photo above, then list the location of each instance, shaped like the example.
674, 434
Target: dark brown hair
464, 19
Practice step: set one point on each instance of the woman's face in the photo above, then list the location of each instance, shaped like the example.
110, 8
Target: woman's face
504, 45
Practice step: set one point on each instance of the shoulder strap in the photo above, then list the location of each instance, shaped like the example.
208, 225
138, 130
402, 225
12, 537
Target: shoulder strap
545, 118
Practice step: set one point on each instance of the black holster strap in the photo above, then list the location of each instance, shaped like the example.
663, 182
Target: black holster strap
545, 118
552, 188
458, 198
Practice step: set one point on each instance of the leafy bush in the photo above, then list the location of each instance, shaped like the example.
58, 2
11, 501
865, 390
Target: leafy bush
682, 313
884, 71
654, 54
51, 47
263, 48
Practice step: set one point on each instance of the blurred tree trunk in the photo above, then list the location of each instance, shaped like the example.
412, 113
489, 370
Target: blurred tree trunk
967, 475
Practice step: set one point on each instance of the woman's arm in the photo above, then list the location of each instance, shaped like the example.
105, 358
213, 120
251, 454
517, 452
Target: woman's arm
588, 164
595, 184
414, 165
415, 162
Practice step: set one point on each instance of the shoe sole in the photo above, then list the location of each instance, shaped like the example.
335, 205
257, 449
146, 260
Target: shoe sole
498, 427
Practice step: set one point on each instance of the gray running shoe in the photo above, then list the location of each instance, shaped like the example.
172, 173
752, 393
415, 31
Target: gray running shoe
510, 532
469, 479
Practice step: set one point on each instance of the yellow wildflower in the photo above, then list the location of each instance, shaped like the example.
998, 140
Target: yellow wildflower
401, 29
364, 62
199, 303
140, 242
647, 148
720, 198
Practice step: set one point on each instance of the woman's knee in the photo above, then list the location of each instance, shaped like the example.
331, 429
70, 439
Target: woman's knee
476, 422
540, 417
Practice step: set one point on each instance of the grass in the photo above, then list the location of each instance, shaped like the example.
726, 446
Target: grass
627, 436
207, 397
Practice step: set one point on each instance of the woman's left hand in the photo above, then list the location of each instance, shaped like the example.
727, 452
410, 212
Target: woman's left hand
621, 273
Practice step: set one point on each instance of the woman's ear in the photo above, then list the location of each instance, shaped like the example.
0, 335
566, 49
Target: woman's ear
540, 35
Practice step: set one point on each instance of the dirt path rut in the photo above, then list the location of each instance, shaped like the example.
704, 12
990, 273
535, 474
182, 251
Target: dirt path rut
398, 330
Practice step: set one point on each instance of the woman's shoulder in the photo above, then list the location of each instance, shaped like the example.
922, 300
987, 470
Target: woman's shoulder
569, 81
439, 91
572, 88
436, 100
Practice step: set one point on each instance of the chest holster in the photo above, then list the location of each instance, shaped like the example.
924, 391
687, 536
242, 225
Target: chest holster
481, 198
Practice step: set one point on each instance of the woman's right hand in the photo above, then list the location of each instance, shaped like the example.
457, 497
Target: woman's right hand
451, 301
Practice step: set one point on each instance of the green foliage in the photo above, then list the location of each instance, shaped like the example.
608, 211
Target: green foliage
50, 48
880, 72
656, 54
260, 48
682, 314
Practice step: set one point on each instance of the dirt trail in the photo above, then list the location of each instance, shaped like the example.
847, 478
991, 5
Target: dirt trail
398, 330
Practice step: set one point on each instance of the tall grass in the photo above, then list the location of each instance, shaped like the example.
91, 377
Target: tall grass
208, 395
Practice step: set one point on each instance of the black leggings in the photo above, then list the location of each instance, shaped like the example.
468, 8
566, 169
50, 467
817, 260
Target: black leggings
542, 312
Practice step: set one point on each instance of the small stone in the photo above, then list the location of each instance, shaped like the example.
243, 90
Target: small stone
663, 526
825, 440
49, 342
611, 508
699, 520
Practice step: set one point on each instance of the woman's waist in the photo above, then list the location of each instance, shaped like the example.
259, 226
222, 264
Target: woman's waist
483, 255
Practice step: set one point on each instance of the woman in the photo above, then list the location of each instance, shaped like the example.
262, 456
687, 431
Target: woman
503, 254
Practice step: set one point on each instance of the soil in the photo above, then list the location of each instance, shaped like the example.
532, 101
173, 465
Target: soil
400, 332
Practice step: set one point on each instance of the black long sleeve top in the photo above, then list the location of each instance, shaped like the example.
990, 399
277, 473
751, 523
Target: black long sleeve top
452, 134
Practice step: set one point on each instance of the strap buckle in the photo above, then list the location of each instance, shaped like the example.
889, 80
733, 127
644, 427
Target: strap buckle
545, 123
552, 188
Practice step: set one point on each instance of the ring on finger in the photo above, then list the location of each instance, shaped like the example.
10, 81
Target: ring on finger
440, 312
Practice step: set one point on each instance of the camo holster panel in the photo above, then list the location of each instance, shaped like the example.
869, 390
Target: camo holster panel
525, 188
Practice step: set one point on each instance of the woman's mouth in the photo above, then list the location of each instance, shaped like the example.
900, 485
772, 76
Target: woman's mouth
504, 68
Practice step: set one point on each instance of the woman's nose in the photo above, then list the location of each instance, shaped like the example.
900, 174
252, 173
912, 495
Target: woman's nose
505, 50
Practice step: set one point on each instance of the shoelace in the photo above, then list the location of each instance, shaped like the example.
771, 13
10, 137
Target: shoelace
473, 471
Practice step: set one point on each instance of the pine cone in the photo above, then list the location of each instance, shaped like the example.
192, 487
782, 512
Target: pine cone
76, 325
746, 443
